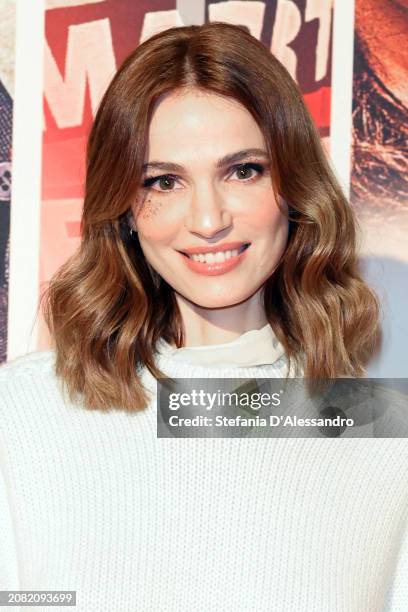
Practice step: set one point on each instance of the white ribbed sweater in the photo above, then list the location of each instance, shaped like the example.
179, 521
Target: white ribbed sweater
95, 502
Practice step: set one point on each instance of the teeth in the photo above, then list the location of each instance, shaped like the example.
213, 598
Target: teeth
218, 257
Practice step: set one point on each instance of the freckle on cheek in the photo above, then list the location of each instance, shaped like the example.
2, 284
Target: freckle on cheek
150, 207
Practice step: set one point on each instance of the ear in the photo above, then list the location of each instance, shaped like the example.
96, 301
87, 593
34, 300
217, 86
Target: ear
283, 204
131, 220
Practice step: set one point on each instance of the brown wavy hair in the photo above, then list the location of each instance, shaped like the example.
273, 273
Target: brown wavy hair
106, 308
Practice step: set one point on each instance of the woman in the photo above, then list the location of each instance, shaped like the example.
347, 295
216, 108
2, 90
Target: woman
216, 242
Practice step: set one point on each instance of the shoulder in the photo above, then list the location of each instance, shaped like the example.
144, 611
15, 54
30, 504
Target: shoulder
33, 364
31, 394
27, 378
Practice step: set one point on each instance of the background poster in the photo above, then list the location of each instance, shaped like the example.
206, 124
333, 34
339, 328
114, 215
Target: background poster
7, 31
85, 42
379, 176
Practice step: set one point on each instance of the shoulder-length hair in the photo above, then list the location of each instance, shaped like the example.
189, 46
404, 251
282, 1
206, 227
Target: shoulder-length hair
106, 308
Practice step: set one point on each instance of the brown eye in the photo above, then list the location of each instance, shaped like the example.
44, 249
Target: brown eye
245, 172
166, 183
248, 172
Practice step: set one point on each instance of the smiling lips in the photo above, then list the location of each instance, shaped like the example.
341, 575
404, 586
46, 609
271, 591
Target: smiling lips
219, 249
214, 260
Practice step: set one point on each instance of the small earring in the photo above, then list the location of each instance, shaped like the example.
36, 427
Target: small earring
132, 233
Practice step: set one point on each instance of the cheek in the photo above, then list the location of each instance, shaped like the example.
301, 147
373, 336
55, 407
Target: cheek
263, 211
154, 227
147, 208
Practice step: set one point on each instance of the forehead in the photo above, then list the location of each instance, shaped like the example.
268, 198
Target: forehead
192, 123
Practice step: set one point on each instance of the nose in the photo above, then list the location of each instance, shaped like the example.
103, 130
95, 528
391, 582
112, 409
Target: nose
208, 212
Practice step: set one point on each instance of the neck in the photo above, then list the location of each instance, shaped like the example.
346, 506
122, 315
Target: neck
206, 326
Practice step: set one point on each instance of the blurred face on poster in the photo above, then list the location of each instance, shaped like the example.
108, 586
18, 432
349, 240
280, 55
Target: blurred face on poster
380, 109
207, 218
403, 3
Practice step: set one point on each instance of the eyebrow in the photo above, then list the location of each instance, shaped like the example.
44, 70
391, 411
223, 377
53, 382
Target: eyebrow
230, 158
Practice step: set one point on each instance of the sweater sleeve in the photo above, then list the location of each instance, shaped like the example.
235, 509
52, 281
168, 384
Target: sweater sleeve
397, 596
8, 550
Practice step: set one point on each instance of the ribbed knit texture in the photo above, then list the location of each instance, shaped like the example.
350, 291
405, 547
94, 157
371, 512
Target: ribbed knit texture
95, 502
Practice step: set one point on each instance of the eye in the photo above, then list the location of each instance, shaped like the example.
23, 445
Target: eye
247, 172
165, 182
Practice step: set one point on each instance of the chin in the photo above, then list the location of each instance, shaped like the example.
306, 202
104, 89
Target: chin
217, 301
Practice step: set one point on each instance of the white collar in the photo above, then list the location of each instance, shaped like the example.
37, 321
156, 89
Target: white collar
254, 347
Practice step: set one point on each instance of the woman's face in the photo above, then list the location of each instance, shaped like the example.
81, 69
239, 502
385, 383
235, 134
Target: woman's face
206, 185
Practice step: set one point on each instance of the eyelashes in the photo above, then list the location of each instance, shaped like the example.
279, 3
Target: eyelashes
168, 180
152, 180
